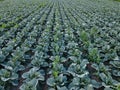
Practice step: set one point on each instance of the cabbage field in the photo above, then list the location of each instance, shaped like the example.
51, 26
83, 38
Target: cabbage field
59, 45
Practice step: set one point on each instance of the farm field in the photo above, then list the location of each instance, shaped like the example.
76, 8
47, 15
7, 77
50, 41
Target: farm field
59, 45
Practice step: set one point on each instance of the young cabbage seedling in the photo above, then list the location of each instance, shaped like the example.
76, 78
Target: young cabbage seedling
55, 64
94, 55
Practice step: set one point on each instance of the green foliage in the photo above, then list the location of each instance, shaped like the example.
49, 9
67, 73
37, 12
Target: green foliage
31, 79
117, 0
4, 25
55, 65
31, 85
1, 0
94, 55
59, 45
118, 87
84, 36
33, 74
